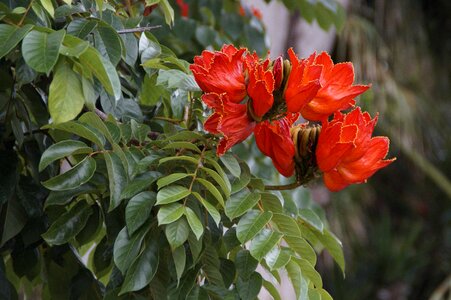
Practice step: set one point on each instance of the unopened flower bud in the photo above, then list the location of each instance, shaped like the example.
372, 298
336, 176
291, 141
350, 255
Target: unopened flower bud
305, 139
277, 71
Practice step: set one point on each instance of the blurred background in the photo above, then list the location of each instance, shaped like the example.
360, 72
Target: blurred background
396, 230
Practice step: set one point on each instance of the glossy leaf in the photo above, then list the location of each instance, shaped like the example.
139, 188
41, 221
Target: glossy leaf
62, 149
212, 189
172, 194
194, 222
177, 232
231, 164
245, 263
287, 225
83, 131
94, 121
117, 178
301, 247
68, 225
182, 145
251, 224
66, 98
104, 71
249, 289
264, 242
311, 218
309, 272
143, 268
244, 179
164, 181
219, 180
333, 246
40, 49
272, 290
181, 157
126, 247
73, 178
11, 36
209, 207
139, 184
271, 203
240, 203
73, 46
138, 210
110, 41
81, 27
179, 257
277, 258
300, 284
170, 213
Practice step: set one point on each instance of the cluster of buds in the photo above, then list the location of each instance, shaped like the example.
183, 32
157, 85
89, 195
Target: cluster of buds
252, 95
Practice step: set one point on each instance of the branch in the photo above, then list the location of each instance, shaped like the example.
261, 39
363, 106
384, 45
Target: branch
289, 186
138, 29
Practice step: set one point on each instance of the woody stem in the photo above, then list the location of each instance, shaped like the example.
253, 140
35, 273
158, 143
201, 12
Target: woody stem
289, 186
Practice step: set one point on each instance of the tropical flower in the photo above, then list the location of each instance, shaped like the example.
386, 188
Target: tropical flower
260, 87
336, 92
303, 82
221, 72
229, 119
346, 153
274, 140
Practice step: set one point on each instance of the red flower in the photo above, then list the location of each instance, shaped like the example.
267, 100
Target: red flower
346, 153
221, 72
229, 119
336, 93
256, 12
261, 85
184, 8
274, 140
303, 82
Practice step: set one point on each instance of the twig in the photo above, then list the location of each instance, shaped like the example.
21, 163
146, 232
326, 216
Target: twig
289, 186
25, 14
138, 29
101, 114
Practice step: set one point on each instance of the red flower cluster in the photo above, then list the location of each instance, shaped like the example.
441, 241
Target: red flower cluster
266, 97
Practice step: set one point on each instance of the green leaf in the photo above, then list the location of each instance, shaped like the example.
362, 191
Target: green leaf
94, 121
177, 233
212, 189
264, 242
271, 290
126, 248
271, 203
172, 194
231, 164
81, 27
143, 269
181, 157
81, 130
249, 289
73, 178
209, 207
40, 49
164, 181
251, 224
311, 218
194, 222
138, 210
62, 149
170, 213
301, 247
240, 203
221, 173
117, 178
286, 224
277, 258
66, 98
48, 6
73, 47
168, 12
64, 197
110, 41
11, 36
219, 180
185, 135
139, 183
173, 79
241, 182
104, 70
309, 272
333, 246
245, 264
182, 145
68, 225
179, 257
300, 284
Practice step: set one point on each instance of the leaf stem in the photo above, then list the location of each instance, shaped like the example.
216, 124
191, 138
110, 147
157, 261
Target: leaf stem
25, 14
289, 186
137, 29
